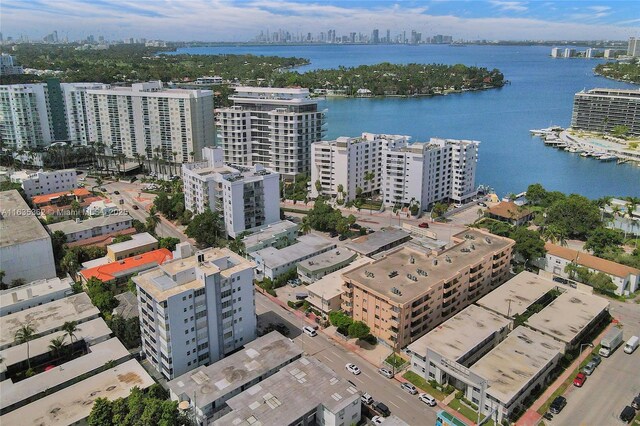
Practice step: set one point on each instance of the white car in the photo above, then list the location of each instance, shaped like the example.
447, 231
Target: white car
309, 331
352, 368
428, 399
377, 420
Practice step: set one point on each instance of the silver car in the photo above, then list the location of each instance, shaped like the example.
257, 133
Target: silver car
386, 373
589, 368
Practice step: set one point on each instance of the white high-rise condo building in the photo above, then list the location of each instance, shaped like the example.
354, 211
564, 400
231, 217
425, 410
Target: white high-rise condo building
634, 47
76, 111
195, 309
274, 127
350, 163
25, 116
402, 173
246, 197
149, 120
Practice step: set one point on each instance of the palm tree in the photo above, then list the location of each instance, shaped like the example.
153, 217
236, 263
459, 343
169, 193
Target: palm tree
24, 334
56, 345
555, 235
152, 222
305, 226
70, 327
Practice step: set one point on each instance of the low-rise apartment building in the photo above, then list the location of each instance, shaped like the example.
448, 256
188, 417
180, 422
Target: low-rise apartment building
138, 244
195, 309
406, 293
41, 182
316, 267
119, 271
35, 293
245, 197
626, 278
78, 230
278, 234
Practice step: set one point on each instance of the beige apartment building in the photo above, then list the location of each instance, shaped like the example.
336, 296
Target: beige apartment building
408, 292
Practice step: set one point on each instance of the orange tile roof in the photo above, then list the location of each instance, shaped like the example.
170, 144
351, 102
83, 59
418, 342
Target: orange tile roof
589, 261
78, 192
509, 210
111, 271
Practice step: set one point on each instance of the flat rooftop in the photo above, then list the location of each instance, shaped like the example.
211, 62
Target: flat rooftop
18, 223
331, 284
510, 366
461, 333
136, 241
71, 226
474, 245
159, 283
208, 384
306, 245
47, 317
371, 243
568, 315
99, 354
289, 394
89, 331
34, 289
327, 259
268, 232
516, 295
74, 403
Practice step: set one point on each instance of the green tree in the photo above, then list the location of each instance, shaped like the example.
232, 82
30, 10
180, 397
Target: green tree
101, 295
56, 345
340, 319
58, 240
577, 215
555, 234
604, 242
70, 264
620, 130
305, 226
101, 413
206, 228
169, 243
536, 194
71, 328
438, 210
529, 245
121, 239
151, 223
359, 330
25, 334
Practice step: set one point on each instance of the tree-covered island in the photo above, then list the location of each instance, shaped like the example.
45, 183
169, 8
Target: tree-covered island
629, 72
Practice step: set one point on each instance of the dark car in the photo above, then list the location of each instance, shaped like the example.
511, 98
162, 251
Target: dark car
558, 404
135, 207
382, 409
636, 402
356, 226
333, 234
116, 192
627, 414
560, 280
342, 237
423, 225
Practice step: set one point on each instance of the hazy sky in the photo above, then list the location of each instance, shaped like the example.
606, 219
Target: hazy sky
241, 20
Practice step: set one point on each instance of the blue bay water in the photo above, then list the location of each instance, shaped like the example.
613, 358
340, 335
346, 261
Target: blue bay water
540, 94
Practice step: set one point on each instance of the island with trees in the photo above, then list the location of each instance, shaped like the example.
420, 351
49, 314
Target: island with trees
621, 71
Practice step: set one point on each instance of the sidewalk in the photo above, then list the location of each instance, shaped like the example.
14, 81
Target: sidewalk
531, 417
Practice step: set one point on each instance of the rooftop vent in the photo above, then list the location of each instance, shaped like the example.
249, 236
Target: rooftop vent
488, 240
369, 274
393, 274
473, 246
412, 260
412, 277
465, 250
395, 290
422, 272
447, 259
435, 262
469, 237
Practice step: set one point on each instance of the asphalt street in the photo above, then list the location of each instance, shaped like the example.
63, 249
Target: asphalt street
405, 406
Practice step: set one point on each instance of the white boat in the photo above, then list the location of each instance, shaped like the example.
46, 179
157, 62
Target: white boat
608, 157
585, 154
597, 154
547, 131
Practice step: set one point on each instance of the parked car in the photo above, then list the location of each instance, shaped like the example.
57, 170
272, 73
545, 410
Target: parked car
135, 207
482, 204
342, 237
386, 373
558, 404
333, 234
408, 387
423, 225
356, 226
560, 280
628, 413
309, 331
636, 402
352, 368
457, 206
382, 409
428, 399
579, 380
589, 368
631, 344
377, 420
116, 192
597, 359
367, 399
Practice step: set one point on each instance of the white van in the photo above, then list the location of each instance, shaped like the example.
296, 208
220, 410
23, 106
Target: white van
631, 344
309, 331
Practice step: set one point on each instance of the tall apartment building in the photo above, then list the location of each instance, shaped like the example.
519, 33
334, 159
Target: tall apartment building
351, 163
246, 197
600, 110
76, 110
40, 182
149, 120
274, 127
8, 65
195, 309
634, 47
24, 116
427, 172
406, 293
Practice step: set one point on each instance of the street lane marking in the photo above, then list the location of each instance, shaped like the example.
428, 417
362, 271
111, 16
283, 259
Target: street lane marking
395, 405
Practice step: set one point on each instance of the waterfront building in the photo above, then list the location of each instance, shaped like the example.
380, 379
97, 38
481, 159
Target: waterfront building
149, 120
510, 212
350, 163
303, 392
78, 230
601, 110
255, 362
408, 292
273, 127
33, 294
195, 309
626, 278
569, 52
633, 48
25, 246
556, 52
41, 182
247, 197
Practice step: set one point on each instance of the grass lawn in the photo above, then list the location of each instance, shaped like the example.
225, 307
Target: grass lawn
423, 385
396, 360
457, 405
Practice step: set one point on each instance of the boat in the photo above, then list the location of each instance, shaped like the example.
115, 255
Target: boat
597, 154
585, 154
608, 157
548, 131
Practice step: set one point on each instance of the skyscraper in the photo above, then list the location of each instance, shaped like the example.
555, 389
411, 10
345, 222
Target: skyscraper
375, 37
634, 47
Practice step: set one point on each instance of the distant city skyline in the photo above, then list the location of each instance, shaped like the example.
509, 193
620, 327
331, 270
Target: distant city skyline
219, 20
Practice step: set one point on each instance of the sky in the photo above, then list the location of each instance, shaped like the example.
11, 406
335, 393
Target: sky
227, 20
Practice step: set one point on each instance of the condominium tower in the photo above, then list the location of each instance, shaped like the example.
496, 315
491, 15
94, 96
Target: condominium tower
195, 309
424, 173
246, 197
24, 116
274, 127
634, 47
408, 292
601, 110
